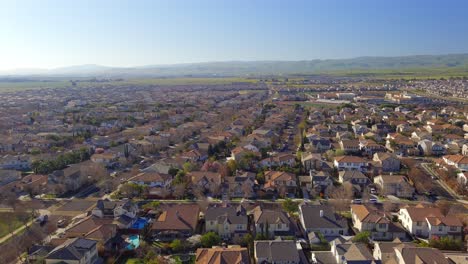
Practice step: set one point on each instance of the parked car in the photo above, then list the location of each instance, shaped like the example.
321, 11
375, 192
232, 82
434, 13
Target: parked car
42, 219
61, 223
357, 201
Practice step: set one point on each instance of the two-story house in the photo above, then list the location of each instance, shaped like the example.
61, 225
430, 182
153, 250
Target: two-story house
376, 222
271, 223
429, 222
387, 162
322, 219
396, 185
276, 252
280, 182
350, 163
157, 183
124, 210
356, 178
458, 161
228, 222
75, 250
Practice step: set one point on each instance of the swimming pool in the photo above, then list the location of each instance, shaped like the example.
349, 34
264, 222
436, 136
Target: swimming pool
133, 242
140, 223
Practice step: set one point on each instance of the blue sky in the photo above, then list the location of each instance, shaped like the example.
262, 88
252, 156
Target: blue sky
48, 33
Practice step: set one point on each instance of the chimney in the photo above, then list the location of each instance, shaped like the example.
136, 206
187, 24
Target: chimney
321, 213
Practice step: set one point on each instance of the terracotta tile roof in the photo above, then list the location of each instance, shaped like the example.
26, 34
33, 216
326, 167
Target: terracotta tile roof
350, 159
235, 255
458, 159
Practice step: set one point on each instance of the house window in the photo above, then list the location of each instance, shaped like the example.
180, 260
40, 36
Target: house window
440, 229
453, 228
279, 226
381, 226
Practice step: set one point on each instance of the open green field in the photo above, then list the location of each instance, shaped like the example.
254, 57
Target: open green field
12, 86
371, 77
11, 221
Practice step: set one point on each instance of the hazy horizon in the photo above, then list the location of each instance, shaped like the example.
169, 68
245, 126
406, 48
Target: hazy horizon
52, 34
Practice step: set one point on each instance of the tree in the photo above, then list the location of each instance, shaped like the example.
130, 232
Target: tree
153, 205
290, 206
446, 243
362, 237
210, 239
188, 167
232, 166
194, 241
173, 171
247, 240
176, 245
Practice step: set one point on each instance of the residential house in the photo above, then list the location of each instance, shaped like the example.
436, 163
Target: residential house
228, 222
387, 162
429, 222
276, 252
278, 222
107, 208
241, 186
193, 155
396, 185
18, 162
382, 129
239, 152
34, 183
101, 230
420, 135
458, 161
377, 223
311, 161
347, 252
282, 159
369, 147
177, 221
158, 183
206, 180
350, 163
430, 148
385, 251
320, 180
107, 159
280, 182
222, 255
319, 144
356, 178
322, 219
74, 251
344, 135
350, 146
416, 255
400, 144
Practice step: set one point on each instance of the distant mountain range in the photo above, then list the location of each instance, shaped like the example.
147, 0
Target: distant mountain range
254, 68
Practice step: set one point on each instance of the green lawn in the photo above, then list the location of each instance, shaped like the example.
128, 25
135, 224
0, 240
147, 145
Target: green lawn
134, 261
12, 221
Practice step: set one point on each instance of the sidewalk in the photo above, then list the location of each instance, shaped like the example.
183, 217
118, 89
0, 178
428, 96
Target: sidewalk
19, 229
441, 182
